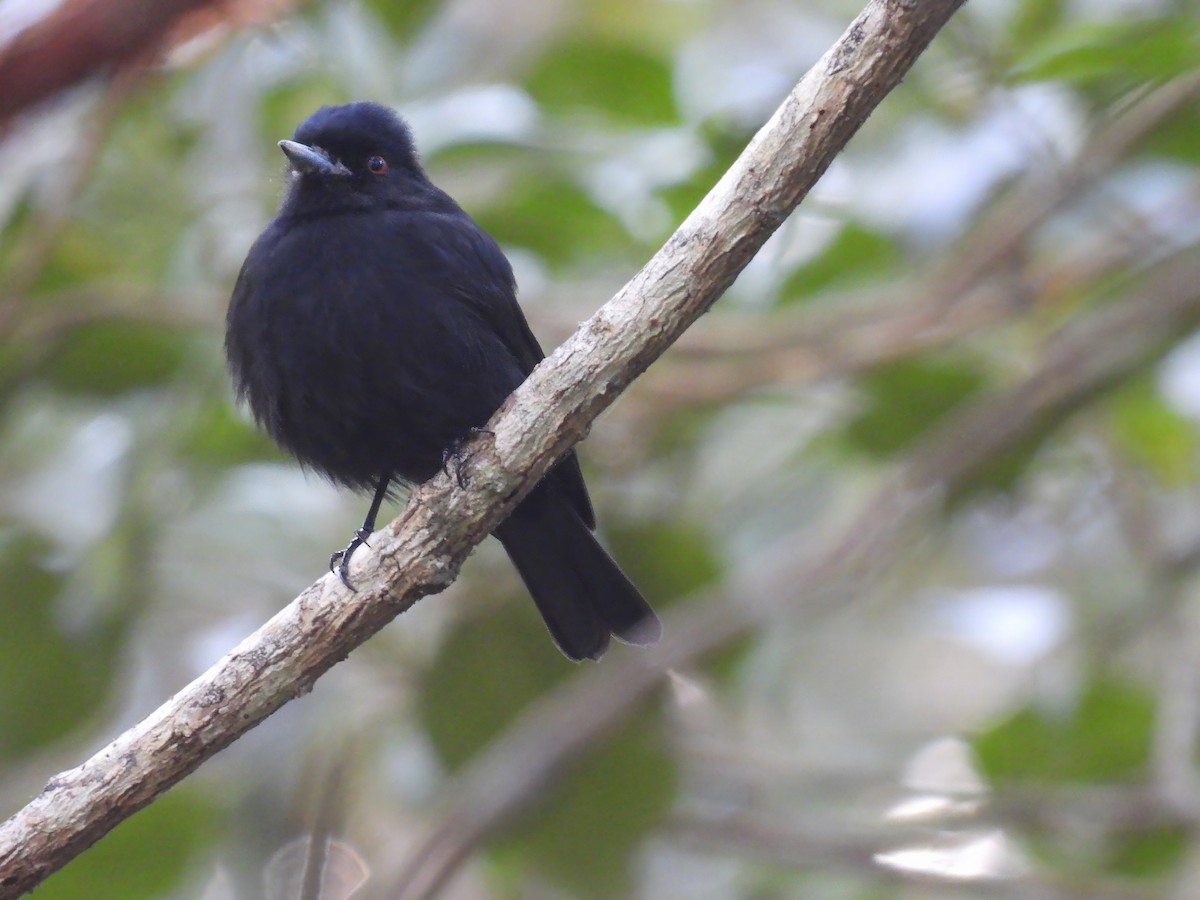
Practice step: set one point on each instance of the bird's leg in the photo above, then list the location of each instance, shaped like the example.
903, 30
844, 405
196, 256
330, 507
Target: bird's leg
454, 452
340, 561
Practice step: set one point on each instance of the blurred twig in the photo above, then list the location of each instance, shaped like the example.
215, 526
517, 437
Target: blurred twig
1034, 200
789, 847
964, 294
49, 222
1077, 364
420, 552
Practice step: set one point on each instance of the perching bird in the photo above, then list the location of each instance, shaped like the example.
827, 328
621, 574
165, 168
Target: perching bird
374, 325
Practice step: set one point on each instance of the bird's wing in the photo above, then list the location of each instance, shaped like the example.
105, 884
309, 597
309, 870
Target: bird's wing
494, 301
471, 250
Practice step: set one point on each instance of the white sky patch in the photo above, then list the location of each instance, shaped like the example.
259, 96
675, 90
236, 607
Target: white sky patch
1162, 196
76, 494
1012, 546
936, 176
17, 15
492, 112
1017, 624
945, 765
1179, 378
977, 857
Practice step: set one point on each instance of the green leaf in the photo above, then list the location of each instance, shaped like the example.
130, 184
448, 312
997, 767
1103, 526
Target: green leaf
586, 832
581, 832
1149, 852
404, 19
905, 398
146, 856
672, 559
217, 437
1175, 136
554, 218
856, 255
50, 682
619, 80
1105, 737
1033, 19
1152, 433
476, 154
464, 704
138, 201
665, 559
14, 362
109, 357
1003, 469
81, 254
284, 107
1129, 51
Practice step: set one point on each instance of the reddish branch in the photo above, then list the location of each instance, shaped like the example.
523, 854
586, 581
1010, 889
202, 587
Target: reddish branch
80, 39
84, 38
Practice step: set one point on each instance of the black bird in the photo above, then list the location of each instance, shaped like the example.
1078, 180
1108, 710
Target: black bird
374, 325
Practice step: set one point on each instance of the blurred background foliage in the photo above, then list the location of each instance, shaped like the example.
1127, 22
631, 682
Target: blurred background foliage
1011, 701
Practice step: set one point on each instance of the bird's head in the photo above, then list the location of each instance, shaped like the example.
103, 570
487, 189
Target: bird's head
358, 155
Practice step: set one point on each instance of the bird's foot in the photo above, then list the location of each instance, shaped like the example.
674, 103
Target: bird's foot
454, 453
339, 562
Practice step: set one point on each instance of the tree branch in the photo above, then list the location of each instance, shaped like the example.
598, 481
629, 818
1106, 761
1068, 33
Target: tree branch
420, 552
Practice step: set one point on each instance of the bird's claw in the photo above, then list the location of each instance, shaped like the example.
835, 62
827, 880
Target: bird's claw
454, 452
339, 561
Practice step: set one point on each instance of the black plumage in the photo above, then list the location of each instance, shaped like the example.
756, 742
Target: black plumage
374, 324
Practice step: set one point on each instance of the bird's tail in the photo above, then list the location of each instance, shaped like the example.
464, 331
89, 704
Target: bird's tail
580, 591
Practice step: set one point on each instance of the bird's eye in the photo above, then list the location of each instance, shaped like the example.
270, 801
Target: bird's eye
377, 165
